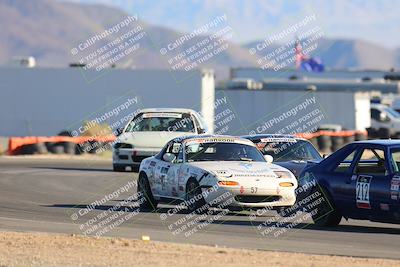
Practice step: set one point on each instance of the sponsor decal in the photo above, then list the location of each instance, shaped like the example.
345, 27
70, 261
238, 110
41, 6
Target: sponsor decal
395, 188
181, 188
246, 165
362, 192
384, 206
181, 176
219, 140
163, 181
162, 115
278, 140
241, 189
164, 170
261, 172
152, 163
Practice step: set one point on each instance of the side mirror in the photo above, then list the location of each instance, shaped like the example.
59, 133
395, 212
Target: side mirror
200, 131
269, 158
169, 157
383, 117
324, 156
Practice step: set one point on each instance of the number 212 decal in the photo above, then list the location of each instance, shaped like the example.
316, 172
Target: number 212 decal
362, 192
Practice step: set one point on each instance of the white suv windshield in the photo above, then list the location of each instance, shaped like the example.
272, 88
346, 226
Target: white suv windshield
160, 122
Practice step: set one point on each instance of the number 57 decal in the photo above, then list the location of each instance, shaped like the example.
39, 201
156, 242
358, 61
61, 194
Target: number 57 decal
362, 191
253, 190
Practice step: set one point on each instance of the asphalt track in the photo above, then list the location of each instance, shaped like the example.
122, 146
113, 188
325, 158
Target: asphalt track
46, 195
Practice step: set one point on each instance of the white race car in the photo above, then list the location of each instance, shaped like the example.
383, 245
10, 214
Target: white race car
150, 130
206, 170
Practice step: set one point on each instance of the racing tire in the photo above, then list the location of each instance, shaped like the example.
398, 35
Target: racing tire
384, 133
57, 148
361, 137
327, 214
193, 198
313, 141
324, 143
397, 136
69, 147
337, 142
145, 196
371, 133
118, 168
349, 139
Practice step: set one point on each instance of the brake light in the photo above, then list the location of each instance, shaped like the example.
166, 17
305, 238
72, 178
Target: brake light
228, 183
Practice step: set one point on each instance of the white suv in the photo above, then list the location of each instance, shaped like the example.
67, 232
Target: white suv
150, 130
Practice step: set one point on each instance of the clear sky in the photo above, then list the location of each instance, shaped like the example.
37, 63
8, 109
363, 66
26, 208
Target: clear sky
373, 20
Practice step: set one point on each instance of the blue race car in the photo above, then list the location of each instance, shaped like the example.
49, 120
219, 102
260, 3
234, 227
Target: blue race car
288, 151
359, 181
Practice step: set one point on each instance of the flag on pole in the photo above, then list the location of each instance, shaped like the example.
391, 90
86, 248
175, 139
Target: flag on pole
305, 62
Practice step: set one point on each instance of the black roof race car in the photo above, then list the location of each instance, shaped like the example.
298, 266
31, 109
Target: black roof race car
288, 151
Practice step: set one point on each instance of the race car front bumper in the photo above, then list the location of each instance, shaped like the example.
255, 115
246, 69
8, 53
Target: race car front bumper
246, 198
132, 156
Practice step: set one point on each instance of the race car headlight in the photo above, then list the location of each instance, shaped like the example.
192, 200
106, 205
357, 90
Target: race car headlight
228, 183
283, 174
223, 173
286, 184
122, 145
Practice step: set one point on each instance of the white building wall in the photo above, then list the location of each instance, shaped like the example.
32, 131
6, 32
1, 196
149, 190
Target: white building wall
41, 101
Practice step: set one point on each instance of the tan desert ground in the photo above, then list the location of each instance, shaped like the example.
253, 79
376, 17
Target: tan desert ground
39, 249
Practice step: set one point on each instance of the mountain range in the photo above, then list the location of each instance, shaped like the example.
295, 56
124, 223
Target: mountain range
48, 29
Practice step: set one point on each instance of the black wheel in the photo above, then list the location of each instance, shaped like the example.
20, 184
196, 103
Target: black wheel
145, 196
327, 214
118, 168
194, 199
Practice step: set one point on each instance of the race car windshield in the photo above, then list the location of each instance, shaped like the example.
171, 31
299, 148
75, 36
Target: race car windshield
222, 152
287, 151
161, 122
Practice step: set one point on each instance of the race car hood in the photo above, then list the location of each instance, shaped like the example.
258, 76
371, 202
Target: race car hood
296, 166
149, 139
238, 168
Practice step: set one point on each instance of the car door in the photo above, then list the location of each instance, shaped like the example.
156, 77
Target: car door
393, 192
339, 176
165, 172
174, 170
160, 171
370, 175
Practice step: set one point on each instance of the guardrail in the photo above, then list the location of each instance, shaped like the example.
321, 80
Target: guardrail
325, 141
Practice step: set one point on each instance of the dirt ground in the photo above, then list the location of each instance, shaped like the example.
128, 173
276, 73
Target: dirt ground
40, 249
